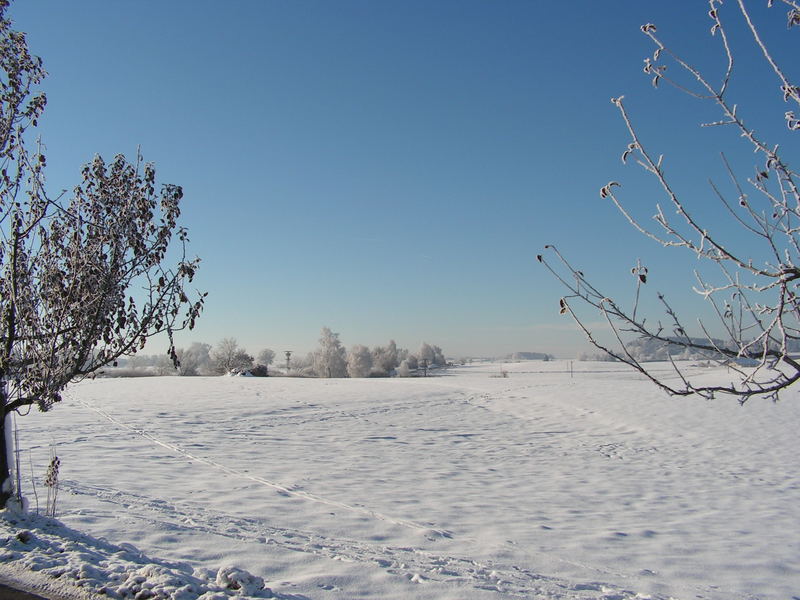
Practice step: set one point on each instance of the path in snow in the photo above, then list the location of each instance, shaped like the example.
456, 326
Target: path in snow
595, 486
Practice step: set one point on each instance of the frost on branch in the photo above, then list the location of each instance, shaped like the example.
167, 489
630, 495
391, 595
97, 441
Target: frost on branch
755, 292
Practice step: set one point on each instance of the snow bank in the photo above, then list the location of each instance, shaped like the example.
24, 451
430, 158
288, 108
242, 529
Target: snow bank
44, 554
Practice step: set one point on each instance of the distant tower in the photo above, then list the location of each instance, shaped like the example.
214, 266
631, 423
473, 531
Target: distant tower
288, 358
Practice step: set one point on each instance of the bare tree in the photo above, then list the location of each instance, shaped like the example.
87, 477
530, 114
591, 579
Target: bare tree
754, 292
228, 356
223, 354
66, 264
242, 360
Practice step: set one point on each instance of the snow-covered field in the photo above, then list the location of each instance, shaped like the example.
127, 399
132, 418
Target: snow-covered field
463, 486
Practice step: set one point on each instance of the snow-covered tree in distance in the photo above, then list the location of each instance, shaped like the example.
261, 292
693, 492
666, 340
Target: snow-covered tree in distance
242, 360
438, 357
196, 359
359, 361
228, 356
433, 355
263, 361
426, 353
385, 359
266, 357
67, 263
303, 365
752, 285
404, 369
329, 358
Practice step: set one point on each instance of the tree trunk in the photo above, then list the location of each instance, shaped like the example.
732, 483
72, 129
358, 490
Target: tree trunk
5, 458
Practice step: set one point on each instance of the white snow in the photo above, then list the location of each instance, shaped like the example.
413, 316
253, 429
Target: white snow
464, 486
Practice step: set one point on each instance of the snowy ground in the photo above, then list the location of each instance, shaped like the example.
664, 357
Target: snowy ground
465, 486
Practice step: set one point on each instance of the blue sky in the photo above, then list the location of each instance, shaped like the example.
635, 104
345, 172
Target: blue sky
391, 169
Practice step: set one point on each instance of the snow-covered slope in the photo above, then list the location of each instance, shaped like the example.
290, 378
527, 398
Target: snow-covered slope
467, 485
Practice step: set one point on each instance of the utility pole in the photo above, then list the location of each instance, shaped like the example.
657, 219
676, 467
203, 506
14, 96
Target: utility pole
288, 358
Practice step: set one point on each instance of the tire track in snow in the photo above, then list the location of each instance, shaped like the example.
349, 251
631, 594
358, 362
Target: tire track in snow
261, 480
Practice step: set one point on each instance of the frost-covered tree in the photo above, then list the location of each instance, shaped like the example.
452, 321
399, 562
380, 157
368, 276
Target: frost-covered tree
329, 358
222, 356
165, 365
264, 360
266, 357
228, 356
195, 360
359, 361
438, 357
242, 361
425, 353
750, 280
404, 369
85, 278
402, 354
432, 355
303, 365
385, 359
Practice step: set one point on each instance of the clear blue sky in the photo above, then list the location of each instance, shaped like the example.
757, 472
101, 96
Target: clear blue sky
390, 169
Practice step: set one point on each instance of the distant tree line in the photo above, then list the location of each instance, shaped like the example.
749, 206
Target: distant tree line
529, 356
647, 349
330, 359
